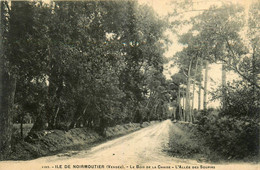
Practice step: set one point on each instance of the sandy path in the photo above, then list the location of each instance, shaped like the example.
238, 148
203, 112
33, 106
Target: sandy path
143, 148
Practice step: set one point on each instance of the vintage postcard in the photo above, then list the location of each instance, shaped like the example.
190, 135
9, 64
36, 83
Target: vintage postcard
130, 84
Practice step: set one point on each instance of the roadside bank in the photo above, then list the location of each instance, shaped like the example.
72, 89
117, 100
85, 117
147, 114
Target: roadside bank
51, 142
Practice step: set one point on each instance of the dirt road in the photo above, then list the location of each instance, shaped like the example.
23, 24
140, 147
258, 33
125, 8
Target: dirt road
143, 148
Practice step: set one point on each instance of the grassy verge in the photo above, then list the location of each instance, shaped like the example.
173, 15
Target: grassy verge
185, 142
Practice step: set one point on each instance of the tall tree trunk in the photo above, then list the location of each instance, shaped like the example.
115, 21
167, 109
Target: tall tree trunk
223, 85
205, 86
193, 91
199, 96
183, 106
7, 92
199, 92
254, 70
54, 109
179, 103
187, 109
50, 104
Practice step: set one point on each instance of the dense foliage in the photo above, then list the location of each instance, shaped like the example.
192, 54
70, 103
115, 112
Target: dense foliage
229, 137
93, 64
226, 35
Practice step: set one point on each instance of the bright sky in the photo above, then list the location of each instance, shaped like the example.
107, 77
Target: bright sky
163, 7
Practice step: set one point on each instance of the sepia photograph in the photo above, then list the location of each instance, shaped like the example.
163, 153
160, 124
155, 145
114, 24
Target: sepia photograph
130, 84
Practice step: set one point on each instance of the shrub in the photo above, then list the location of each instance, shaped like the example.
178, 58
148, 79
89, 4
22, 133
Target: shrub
235, 138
